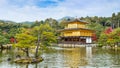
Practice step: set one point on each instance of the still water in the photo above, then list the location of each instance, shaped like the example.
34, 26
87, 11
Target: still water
83, 57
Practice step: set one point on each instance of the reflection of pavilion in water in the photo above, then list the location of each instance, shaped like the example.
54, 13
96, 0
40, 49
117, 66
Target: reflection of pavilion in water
75, 57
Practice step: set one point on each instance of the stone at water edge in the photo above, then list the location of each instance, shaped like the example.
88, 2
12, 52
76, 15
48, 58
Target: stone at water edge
29, 60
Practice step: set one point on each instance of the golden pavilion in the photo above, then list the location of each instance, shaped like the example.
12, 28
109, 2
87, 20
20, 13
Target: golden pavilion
76, 32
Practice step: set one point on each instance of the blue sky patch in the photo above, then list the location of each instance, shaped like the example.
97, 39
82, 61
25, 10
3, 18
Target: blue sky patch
46, 3
38, 3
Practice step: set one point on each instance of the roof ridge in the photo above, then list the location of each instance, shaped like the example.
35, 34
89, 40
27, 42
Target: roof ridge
76, 20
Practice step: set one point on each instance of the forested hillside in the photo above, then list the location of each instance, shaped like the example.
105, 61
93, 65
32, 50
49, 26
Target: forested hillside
9, 29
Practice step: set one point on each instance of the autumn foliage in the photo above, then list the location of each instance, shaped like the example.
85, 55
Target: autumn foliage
110, 37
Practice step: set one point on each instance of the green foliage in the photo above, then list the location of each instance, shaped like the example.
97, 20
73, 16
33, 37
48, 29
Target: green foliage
113, 21
111, 39
103, 38
96, 27
115, 35
37, 23
40, 36
25, 39
47, 30
47, 36
3, 40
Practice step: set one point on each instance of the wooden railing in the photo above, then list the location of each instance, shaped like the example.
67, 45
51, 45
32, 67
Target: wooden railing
71, 42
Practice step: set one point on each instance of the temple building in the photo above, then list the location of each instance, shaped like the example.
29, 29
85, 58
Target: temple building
76, 31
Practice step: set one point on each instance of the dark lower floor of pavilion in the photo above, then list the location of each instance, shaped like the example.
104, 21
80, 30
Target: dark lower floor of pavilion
73, 40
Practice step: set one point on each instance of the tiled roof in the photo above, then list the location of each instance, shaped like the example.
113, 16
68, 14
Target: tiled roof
74, 29
75, 20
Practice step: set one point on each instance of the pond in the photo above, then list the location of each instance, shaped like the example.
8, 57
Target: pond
82, 57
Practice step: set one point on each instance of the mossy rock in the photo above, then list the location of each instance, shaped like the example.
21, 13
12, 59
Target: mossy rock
28, 60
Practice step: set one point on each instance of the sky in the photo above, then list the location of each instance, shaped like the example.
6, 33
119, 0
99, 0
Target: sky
31, 10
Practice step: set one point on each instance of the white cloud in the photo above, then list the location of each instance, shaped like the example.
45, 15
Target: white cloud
30, 12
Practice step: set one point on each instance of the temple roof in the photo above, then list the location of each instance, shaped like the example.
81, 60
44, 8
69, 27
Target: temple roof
68, 29
75, 20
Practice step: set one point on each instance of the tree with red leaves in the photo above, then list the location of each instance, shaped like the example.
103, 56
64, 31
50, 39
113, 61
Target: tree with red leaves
12, 40
110, 37
94, 37
108, 30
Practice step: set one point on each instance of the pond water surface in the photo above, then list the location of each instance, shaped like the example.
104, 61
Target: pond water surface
83, 57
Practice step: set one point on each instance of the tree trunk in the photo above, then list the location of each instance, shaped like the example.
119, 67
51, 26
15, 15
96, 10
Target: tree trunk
27, 52
36, 53
38, 44
1, 46
118, 23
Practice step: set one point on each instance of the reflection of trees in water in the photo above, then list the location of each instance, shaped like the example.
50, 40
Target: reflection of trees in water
75, 57
9, 53
6, 53
26, 65
105, 57
29, 66
36, 66
71, 57
115, 56
0, 53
